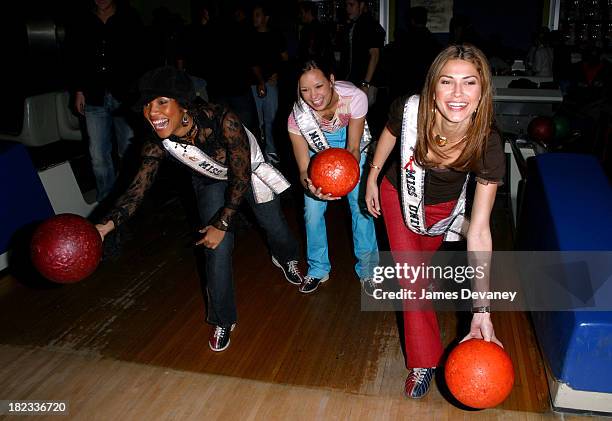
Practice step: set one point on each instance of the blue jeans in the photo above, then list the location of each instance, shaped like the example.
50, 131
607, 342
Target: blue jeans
102, 122
218, 282
266, 113
365, 245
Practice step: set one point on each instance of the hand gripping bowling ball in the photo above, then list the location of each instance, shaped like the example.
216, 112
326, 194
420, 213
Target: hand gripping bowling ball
335, 171
541, 129
66, 248
479, 373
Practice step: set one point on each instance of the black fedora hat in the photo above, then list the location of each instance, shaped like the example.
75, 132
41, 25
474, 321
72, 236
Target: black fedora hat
168, 82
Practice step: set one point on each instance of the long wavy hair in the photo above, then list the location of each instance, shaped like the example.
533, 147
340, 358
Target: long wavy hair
482, 119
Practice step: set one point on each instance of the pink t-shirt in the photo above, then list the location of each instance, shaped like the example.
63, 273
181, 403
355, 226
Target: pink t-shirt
353, 103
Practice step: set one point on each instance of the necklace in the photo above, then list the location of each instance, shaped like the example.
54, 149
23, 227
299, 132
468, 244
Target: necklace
442, 141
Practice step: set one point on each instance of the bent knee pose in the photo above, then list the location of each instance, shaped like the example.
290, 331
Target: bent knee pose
446, 134
330, 113
228, 167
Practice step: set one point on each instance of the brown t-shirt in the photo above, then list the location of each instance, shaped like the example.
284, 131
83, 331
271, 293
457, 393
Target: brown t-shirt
443, 185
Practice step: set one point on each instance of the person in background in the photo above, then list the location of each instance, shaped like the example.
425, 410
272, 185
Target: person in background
415, 50
104, 45
540, 56
198, 44
366, 38
446, 134
315, 39
227, 168
334, 112
230, 82
269, 50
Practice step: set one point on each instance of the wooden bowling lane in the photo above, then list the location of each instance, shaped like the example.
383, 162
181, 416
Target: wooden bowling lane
103, 388
144, 311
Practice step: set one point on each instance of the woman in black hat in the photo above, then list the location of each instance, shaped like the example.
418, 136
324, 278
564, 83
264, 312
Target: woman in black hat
228, 166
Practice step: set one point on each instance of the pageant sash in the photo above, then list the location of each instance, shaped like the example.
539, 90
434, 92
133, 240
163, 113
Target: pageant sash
412, 181
311, 131
266, 180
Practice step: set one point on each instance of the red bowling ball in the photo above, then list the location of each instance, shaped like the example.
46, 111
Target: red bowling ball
66, 248
335, 171
541, 129
479, 374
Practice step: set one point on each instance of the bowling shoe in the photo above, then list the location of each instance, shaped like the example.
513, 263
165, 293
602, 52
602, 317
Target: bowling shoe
219, 338
368, 285
418, 382
311, 283
290, 270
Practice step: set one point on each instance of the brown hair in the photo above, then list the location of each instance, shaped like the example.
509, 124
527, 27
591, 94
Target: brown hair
478, 132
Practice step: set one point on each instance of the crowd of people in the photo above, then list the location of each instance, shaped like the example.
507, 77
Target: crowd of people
209, 95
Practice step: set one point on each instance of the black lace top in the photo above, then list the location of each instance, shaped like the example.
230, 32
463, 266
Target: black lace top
221, 136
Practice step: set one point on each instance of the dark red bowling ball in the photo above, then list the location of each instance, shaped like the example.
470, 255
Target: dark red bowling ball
66, 248
479, 374
335, 171
541, 129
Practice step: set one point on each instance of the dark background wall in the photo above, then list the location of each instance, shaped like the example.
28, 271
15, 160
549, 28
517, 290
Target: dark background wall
512, 22
515, 21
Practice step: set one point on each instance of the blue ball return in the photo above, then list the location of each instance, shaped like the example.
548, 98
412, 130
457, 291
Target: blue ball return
567, 206
23, 199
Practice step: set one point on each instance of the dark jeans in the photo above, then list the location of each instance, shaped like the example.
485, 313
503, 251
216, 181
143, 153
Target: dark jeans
219, 280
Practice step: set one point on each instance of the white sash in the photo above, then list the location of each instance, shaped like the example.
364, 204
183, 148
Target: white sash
412, 181
311, 131
265, 179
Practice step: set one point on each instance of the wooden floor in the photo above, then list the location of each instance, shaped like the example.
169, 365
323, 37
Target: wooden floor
130, 342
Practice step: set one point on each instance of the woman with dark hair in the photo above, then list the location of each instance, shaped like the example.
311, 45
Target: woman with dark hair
228, 167
330, 113
446, 134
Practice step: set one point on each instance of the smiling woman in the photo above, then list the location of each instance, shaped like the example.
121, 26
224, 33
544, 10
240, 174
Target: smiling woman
331, 114
446, 134
227, 168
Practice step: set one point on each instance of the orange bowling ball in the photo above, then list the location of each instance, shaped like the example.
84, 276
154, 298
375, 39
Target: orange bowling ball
479, 374
66, 248
335, 171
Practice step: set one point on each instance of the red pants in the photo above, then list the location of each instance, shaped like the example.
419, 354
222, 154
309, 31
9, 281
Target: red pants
421, 331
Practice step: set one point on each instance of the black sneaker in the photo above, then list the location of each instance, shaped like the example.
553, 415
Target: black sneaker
368, 285
290, 270
219, 338
310, 283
